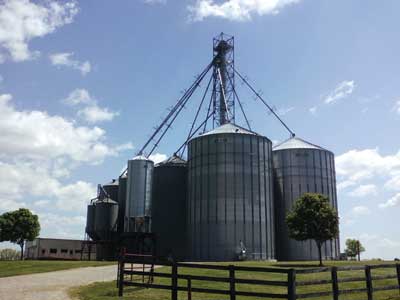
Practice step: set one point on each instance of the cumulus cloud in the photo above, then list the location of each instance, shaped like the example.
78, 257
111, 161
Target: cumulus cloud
38, 152
364, 190
236, 10
36, 134
23, 20
158, 157
356, 167
65, 59
392, 202
89, 108
342, 90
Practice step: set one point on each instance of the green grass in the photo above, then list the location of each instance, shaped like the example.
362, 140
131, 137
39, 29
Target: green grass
12, 268
108, 290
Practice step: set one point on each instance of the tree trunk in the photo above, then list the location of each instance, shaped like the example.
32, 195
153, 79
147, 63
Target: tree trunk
22, 251
319, 245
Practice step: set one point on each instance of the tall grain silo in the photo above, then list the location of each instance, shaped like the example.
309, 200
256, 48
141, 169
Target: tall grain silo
90, 222
301, 167
110, 190
106, 215
230, 203
138, 196
169, 207
122, 187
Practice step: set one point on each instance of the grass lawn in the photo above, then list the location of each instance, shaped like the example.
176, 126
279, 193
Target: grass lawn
15, 267
108, 290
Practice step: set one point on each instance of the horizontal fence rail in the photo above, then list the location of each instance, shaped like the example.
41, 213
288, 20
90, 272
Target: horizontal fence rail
290, 284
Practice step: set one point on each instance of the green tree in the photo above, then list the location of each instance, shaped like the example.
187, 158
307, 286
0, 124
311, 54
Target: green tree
353, 248
9, 254
19, 226
312, 217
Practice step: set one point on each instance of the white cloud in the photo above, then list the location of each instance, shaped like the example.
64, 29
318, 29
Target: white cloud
64, 59
313, 110
284, 111
343, 90
24, 20
364, 190
392, 202
393, 183
236, 10
94, 114
361, 210
36, 134
359, 165
79, 96
396, 107
38, 152
158, 157
345, 184
10, 204
91, 111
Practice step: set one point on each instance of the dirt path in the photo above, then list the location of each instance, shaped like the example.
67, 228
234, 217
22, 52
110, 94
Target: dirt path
52, 285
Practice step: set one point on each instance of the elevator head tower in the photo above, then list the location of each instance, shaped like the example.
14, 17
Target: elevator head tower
223, 79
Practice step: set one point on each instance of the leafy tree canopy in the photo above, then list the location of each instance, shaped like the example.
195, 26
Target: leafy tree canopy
353, 247
19, 226
312, 217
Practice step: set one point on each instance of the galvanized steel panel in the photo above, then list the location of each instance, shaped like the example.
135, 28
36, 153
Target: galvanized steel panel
230, 196
297, 171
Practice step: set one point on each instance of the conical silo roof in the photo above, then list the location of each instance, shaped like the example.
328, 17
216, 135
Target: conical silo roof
230, 128
174, 160
296, 143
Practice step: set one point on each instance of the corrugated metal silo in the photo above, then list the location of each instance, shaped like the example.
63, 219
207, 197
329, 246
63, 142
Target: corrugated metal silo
90, 220
138, 198
106, 215
301, 167
169, 207
111, 190
230, 195
122, 186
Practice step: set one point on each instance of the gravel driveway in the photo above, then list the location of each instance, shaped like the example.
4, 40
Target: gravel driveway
52, 285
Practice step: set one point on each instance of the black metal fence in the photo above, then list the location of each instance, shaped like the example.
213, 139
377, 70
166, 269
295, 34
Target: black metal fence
289, 283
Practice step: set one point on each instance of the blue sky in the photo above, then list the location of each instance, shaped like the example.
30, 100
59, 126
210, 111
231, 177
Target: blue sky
83, 83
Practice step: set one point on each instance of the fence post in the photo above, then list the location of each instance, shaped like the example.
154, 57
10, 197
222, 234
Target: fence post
292, 284
121, 276
368, 280
189, 288
335, 285
398, 274
174, 281
232, 290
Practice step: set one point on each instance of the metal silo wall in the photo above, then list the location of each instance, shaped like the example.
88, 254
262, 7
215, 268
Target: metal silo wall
90, 222
106, 215
299, 171
169, 210
112, 191
230, 197
139, 190
121, 202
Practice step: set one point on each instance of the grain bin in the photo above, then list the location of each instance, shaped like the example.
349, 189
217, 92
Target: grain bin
230, 195
301, 167
138, 198
169, 207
